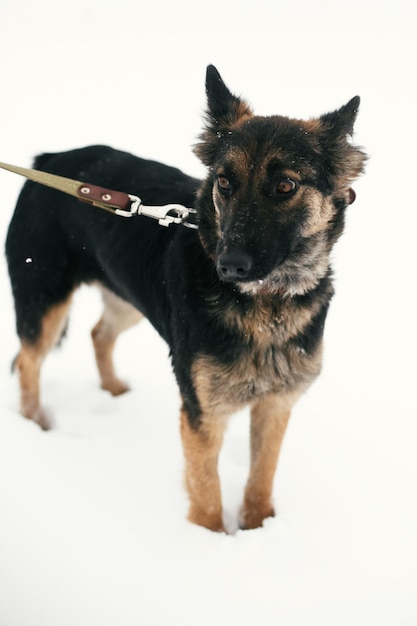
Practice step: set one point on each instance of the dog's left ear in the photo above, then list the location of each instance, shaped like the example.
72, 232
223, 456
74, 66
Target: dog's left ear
342, 120
344, 160
224, 111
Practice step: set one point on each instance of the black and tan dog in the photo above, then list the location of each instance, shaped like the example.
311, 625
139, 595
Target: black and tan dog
241, 302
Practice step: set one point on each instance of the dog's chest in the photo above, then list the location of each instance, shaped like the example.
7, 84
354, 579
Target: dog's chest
264, 360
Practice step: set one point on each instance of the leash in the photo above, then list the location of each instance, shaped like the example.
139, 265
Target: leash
116, 202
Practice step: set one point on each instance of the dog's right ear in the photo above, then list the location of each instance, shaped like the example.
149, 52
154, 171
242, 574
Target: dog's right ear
224, 111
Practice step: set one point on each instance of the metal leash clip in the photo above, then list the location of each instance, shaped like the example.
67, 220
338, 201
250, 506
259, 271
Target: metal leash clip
116, 202
166, 214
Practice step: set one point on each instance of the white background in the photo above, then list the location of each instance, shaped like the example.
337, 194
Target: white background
92, 514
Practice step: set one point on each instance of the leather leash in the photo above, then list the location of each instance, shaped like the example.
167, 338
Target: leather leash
116, 202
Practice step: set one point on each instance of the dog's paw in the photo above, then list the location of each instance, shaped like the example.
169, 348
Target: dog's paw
251, 518
116, 387
41, 417
211, 521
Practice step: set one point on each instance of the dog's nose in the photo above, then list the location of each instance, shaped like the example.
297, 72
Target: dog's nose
234, 265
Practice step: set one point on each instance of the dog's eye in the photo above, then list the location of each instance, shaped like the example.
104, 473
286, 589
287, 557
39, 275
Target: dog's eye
286, 186
224, 184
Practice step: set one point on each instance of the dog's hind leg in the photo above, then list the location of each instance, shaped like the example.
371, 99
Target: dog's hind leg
201, 446
269, 419
31, 356
118, 315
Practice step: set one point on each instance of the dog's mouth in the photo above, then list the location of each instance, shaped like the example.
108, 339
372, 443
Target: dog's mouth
239, 272
294, 273
285, 283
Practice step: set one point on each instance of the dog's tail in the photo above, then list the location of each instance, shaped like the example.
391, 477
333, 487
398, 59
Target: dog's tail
13, 364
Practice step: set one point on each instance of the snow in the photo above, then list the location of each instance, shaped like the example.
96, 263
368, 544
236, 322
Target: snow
92, 524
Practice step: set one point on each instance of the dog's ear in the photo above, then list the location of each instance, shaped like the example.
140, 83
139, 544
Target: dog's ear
223, 108
224, 111
344, 160
342, 120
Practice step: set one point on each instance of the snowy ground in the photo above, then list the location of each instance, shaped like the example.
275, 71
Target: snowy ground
92, 517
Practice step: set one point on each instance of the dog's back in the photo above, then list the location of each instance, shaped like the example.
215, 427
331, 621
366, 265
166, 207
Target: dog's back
55, 243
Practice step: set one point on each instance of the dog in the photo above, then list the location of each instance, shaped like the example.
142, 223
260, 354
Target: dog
242, 301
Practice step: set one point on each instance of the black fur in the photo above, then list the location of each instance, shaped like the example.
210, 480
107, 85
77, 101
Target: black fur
69, 243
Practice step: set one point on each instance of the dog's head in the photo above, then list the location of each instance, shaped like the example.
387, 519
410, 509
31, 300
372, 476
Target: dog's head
273, 204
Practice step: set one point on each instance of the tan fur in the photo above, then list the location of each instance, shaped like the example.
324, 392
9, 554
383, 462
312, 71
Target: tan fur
30, 358
271, 370
226, 389
118, 316
312, 126
321, 211
269, 419
201, 450
270, 322
243, 112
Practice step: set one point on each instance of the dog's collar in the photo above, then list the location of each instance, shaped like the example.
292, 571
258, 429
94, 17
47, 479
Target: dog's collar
116, 202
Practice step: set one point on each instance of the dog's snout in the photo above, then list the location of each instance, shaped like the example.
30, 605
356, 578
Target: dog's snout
234, 265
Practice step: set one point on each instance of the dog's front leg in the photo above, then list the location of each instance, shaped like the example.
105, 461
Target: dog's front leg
201, 444
269, 419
